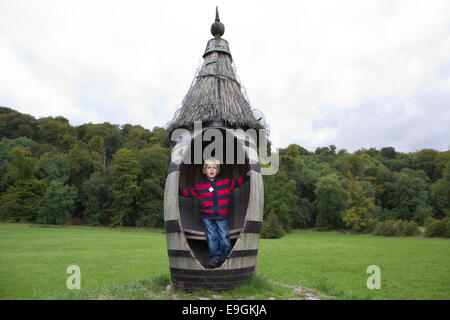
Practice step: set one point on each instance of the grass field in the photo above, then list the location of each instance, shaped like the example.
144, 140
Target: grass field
133, 264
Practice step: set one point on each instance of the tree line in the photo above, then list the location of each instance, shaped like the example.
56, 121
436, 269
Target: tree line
95, 174
366, 191
105, 174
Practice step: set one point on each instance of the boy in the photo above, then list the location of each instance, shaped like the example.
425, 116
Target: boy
214, 195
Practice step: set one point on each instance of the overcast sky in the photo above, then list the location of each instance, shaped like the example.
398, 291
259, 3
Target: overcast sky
350, 73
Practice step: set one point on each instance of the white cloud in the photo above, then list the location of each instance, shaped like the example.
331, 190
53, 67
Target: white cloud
303, 63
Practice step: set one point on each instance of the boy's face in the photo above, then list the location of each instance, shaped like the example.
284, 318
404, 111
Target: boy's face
210, 171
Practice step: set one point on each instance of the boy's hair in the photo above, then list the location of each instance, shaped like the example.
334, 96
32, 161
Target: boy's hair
212, 161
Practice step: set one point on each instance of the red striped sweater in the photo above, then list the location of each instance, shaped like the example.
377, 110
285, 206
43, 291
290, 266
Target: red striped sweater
214, 195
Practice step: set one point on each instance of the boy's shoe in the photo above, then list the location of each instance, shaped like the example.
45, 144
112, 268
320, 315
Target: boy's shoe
214, 262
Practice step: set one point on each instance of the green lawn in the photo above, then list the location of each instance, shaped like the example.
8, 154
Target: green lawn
33, 260
336, 263
127, 264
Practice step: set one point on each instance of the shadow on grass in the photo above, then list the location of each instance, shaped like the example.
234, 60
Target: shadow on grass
161, 288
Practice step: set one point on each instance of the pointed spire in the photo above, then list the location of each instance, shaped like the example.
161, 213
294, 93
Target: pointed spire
217, 43
217, 14
217, 28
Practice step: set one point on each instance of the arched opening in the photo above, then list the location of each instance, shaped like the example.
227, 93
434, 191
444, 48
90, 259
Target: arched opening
190, 174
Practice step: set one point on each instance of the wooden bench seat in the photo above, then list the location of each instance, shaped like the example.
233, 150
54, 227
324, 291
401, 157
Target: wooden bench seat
200, 235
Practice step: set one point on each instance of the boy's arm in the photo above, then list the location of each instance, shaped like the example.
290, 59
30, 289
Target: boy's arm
187, 192
240, 180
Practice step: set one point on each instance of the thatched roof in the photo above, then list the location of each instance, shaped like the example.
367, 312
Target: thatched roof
215, 95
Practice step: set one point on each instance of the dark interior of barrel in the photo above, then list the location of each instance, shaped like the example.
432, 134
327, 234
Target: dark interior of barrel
190, 174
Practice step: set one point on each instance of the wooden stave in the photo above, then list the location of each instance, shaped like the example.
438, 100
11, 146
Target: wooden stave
211, 278
243, 255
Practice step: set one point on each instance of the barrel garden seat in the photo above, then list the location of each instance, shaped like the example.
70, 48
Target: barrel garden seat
217, 101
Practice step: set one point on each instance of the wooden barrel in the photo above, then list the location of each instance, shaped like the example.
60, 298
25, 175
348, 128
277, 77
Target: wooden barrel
186, 242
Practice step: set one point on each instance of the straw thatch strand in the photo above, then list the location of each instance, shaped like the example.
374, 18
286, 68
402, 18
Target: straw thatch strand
216, 94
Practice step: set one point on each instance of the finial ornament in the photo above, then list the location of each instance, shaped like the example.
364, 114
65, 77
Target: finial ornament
217, 44
217, 28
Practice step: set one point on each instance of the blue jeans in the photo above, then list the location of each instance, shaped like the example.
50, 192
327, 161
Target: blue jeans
217, 237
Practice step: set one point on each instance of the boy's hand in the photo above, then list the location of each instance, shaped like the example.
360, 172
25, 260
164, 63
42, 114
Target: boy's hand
248, 173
